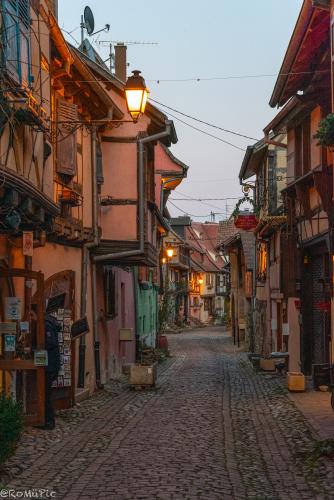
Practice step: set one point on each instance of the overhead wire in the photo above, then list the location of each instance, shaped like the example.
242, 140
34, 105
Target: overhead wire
206, 133
202, 121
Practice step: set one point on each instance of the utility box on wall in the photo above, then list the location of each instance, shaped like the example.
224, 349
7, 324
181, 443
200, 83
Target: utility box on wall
125, 334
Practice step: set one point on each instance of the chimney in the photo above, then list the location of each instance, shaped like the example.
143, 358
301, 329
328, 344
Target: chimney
120, 61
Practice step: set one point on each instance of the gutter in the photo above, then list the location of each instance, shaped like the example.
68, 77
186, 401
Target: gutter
84, 267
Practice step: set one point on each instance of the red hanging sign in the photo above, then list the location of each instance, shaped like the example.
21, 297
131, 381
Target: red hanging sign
247, 222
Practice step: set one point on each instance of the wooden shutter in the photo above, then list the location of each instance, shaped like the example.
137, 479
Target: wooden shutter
289, 264
66, 140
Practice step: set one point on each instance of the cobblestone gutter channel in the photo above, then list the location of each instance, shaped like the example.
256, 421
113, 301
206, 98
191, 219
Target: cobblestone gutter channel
212, 429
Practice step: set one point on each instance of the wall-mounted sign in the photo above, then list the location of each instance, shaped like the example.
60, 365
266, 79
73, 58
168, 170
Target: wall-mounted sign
10, 343
13, 308
28, 243
41, 358
247, 222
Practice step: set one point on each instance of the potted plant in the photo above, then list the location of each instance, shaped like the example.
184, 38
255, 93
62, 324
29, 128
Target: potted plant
325, 134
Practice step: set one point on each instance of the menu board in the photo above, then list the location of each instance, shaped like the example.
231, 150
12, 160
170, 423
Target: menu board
64, 318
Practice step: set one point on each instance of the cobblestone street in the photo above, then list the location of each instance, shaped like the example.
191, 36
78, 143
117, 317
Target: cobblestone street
211, 429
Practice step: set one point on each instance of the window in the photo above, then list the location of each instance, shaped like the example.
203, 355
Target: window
16, 40
110, 293
262, 261
209, 280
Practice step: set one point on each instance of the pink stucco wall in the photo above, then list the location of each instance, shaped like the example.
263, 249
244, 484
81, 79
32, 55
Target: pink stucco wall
115, 353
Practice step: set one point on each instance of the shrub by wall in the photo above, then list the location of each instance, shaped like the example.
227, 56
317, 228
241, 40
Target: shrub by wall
11, 426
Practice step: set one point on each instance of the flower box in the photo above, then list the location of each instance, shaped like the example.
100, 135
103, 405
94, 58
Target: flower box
296, 382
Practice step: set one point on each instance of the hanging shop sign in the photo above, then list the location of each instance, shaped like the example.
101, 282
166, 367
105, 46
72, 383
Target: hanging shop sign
79, 327
28, 243
13, 308
247, 222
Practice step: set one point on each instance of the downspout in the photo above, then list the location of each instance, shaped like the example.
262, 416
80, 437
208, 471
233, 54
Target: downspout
85, 263
136, 303
141, 141
141, 196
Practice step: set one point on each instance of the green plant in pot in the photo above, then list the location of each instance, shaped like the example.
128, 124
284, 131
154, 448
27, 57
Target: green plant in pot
325, 134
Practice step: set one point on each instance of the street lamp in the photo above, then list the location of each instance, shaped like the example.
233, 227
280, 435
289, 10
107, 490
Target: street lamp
200, 281
170, 252
136, 94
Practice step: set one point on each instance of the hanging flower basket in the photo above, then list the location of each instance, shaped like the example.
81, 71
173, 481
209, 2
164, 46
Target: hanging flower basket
325, 134
245, 220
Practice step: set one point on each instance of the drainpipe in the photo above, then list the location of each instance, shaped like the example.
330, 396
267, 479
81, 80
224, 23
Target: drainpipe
85, 262
131, 253
141, 196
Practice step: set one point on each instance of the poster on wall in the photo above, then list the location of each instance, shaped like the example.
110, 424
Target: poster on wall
13, 308
41, 358
28, 243
7, 328
10, 343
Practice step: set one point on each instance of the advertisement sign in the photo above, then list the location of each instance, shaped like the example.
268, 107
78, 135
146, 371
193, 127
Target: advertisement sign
13, 308
10, 343
7, 328
41, 358
247, 222
28, 243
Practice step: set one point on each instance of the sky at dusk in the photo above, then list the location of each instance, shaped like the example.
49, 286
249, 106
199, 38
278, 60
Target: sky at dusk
196, 39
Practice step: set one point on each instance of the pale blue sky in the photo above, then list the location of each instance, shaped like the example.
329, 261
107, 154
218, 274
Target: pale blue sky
216, 38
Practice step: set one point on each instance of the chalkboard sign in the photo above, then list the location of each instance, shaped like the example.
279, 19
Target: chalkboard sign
79, 327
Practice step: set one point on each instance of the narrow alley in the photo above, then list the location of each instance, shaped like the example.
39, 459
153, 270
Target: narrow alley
212, 428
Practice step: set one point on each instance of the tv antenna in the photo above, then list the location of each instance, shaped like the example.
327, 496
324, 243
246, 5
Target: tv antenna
88, 24
112, 43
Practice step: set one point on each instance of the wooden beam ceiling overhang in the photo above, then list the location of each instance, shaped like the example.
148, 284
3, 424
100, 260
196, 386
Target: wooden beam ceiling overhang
310, 37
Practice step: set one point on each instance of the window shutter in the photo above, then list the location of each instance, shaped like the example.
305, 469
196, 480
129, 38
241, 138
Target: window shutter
99, 164
23, 10
66, 141
16, 40
290, 268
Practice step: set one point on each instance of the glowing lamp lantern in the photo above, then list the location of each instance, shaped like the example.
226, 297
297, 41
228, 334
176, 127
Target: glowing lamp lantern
164, 260
200, 281
170, 252
136, 95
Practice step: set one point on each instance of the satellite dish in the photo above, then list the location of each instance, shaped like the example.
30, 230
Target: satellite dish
89, 20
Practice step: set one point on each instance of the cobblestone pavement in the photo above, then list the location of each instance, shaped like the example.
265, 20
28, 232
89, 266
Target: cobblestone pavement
212, 429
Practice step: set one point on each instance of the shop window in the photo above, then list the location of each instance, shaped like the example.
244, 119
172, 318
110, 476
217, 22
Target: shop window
16, 42
110, 294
